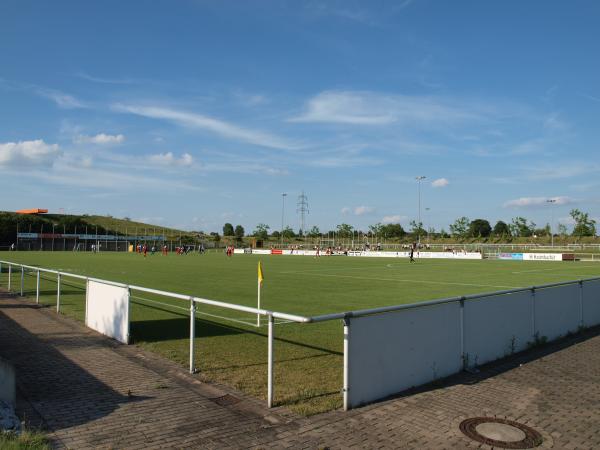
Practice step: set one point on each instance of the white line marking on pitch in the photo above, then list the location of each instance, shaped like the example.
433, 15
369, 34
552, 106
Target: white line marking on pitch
413, 281
555, 268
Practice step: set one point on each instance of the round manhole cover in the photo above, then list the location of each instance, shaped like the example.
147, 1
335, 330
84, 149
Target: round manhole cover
501, 433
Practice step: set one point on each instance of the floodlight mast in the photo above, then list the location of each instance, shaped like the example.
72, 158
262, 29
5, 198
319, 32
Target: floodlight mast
419, 179
551, 201
283, 196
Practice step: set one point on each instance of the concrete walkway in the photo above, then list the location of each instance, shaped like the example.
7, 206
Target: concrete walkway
90, 392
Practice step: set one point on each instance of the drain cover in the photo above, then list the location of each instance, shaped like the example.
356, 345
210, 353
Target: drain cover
226, 400
501, 433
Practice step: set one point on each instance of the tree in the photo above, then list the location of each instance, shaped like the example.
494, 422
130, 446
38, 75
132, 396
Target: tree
228, 230
417, 228
562, 229
344, 230
261, 231
501, 229
479, 228
288, 233
584, 226
460, 227
215, 236
392, 230
376, 229
519, 227
239, 232
314, 232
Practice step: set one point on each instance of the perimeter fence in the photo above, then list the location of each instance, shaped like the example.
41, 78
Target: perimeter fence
387, 349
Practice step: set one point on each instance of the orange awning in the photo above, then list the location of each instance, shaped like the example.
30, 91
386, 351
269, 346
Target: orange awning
32, 211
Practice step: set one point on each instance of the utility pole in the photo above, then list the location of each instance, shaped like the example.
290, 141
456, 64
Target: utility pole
551, 201
302, 210
419, 179
283, 196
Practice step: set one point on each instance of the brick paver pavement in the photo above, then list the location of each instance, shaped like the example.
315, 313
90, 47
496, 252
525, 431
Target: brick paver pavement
90, 392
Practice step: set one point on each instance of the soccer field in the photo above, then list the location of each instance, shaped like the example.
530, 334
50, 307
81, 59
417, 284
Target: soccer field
230, 350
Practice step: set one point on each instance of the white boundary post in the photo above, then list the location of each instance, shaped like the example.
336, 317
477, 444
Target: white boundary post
346, 362
58, 292
270, 364
258, 306
37, 287
192, 333
22, 279
9, 276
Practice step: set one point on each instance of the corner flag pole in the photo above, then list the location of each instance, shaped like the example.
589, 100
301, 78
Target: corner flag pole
260, 281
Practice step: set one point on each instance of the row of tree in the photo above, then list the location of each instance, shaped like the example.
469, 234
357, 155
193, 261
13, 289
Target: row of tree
462, 227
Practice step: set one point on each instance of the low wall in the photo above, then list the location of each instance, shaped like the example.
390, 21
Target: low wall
389, 353
367, 254
8, 392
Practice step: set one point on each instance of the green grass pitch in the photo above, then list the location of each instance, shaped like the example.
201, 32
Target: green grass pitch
308, 357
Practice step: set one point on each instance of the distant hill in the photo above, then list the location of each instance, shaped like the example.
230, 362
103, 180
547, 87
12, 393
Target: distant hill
79, 223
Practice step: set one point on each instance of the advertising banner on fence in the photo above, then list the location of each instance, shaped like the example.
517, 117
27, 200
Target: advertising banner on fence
531, 256
542, 256
89, 237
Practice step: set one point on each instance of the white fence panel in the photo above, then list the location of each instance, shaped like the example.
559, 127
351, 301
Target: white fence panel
107, 310
389, 353
557, 310
591, 303
497, 326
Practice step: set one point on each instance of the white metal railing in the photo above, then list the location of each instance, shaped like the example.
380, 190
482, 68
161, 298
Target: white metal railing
271, 315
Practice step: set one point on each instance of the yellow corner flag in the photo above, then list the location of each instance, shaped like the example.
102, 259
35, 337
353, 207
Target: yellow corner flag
260, 274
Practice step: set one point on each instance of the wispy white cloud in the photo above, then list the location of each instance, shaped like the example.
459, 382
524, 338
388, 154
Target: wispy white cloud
206, 123
352, 12
28, 153
357, 210
590, 97
561, 169
168, 159
100, 139
396, 218
369, 108
248, 99
362, 210
440, 182
61, 99
527, 202
101, 80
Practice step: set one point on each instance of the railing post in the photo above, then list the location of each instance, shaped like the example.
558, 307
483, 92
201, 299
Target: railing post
22, 279
192, 333
37, 287
9, 276
58, 292
345, 388
270, 364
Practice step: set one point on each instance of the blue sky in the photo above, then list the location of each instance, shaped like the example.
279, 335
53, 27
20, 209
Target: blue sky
194, 113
